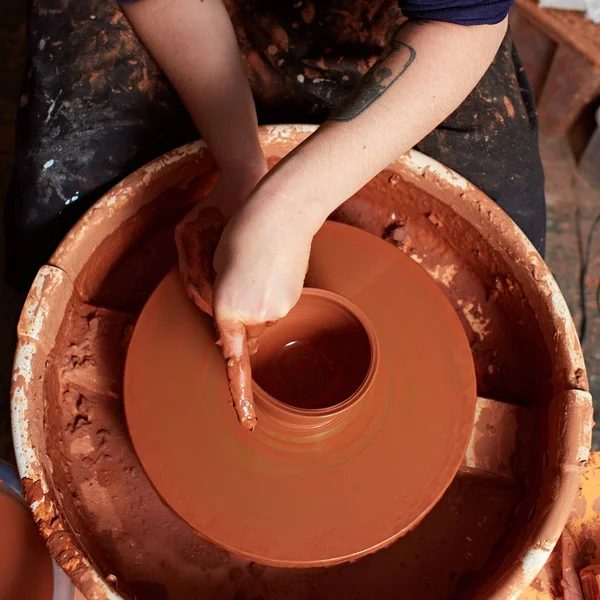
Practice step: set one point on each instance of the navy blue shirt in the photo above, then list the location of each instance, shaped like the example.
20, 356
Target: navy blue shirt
461, 12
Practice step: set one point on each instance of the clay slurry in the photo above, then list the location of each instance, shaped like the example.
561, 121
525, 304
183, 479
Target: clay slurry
299, 375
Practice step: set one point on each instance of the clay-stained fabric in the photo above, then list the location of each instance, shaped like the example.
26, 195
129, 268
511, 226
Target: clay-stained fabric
95, 107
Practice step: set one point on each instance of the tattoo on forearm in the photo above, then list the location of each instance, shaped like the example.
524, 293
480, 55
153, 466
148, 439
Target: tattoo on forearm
376, 81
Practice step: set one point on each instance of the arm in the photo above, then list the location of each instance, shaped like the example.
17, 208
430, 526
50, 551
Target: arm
428, 70
194, 43
425, 74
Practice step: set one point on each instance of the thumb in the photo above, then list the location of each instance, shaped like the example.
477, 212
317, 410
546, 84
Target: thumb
233, 340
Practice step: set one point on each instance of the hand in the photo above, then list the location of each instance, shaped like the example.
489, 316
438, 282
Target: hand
261, 263
260, 260
198, 234
197, 237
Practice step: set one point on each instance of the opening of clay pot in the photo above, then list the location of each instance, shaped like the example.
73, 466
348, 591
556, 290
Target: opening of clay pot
321, 356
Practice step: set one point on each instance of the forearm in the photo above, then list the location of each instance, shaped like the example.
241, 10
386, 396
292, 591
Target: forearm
194, 43
427, 72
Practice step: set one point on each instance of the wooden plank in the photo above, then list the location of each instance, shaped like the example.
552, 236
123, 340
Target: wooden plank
566, 26
571, 84
535, 48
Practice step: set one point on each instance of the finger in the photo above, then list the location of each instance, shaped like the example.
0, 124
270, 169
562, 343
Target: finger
197, 238
254, 332
233, 339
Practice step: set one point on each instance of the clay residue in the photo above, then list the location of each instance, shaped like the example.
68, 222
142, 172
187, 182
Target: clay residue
233, 339
197, 237
32, 490
510, 109
146, 551
105, 493
142, 249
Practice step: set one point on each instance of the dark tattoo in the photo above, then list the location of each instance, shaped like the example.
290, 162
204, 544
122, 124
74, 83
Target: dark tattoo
377, 80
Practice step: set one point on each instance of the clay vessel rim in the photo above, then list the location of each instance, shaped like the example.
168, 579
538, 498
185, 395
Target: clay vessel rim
265, 398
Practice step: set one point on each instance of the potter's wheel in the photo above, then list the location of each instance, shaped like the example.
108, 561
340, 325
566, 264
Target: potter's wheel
308, 487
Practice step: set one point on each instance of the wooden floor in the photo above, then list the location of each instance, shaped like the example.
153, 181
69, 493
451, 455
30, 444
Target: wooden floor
573, 252
573, 249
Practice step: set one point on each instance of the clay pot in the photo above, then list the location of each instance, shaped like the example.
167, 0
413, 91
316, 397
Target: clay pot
316, 364
26, 570
343, 384
107, 526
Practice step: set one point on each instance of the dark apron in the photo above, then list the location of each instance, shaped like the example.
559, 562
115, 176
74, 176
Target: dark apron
95, 107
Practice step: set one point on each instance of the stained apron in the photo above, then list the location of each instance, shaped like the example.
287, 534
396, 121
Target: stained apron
95, 107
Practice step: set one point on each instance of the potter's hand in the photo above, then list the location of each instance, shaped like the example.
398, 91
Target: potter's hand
197, 237
199, 232
260, 262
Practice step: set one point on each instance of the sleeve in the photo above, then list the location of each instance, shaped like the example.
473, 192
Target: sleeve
461, 12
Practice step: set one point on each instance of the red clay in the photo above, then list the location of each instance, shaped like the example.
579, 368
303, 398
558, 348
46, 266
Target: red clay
318, 356
333, 490
106, 525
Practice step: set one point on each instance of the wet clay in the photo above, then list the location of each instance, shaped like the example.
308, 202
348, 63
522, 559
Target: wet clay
317, 356
197, 237
140, 546
25, 565
241, 491
234, 344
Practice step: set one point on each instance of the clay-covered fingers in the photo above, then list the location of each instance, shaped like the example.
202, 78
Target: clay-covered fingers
253, 334
245, 274
233, 340
197, 237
